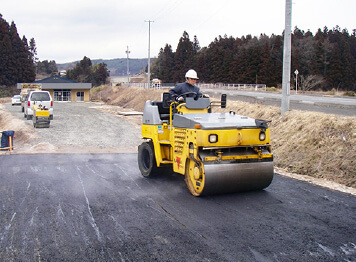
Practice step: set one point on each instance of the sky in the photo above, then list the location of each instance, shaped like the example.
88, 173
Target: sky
68, 30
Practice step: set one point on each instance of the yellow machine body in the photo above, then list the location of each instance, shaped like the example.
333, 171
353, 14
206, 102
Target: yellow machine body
217, 152
41, 116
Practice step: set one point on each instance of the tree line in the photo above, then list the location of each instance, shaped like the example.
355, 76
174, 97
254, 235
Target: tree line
324, 61
86, 72
19, 62
16, 56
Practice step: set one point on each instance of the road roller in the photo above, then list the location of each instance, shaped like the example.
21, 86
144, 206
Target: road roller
216, 152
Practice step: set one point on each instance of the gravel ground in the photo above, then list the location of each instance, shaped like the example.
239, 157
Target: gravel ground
82, 127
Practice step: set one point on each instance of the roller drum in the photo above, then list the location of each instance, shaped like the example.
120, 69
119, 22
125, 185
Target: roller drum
237, 177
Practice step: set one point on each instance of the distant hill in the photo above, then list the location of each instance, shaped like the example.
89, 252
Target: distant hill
117, 66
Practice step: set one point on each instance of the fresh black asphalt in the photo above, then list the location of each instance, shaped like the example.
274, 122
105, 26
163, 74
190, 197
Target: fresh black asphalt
98, 207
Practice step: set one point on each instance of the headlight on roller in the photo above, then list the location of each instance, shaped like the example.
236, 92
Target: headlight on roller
213, 138
262, 136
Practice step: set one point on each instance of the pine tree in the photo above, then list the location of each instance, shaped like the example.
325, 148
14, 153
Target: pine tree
33, 50
16, 65
163, 66
329, 54
183, 58
334, 76
6, 55
84, 72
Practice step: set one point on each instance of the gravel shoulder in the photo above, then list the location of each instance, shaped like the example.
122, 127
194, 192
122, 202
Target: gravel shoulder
80, 128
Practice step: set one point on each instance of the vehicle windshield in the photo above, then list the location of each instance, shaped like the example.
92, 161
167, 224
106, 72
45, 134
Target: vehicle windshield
40, 96
17, 97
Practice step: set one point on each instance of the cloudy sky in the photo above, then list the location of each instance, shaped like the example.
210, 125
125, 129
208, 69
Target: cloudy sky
68, 30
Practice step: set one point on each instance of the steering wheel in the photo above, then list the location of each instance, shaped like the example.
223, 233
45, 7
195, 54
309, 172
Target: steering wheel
184, 95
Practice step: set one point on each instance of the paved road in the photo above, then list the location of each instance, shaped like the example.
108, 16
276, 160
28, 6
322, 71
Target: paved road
97, 207
326, 104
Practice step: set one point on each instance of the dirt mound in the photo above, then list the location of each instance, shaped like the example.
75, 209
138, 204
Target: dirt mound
133, 98
23, 132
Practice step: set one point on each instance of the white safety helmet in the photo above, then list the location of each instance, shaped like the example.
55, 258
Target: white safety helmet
191, 74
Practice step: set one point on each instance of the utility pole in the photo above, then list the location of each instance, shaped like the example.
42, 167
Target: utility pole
286, 58
128, 66
149, 58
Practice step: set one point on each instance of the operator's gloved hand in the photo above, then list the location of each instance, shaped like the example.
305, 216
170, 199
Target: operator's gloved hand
206, 95
180, 99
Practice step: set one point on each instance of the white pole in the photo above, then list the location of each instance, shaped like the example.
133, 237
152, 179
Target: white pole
286, 58
128, 66
149, 58
296, 72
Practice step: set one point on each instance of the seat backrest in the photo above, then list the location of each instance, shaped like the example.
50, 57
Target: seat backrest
166, 100
161, 108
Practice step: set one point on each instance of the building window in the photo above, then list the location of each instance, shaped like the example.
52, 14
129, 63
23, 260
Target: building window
62, 95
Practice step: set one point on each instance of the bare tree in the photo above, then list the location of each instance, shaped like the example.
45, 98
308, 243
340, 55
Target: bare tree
311, 82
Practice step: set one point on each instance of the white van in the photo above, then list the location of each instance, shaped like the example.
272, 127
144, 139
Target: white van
38, 98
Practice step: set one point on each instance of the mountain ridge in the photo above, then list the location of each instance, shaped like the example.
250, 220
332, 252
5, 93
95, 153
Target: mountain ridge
116, 66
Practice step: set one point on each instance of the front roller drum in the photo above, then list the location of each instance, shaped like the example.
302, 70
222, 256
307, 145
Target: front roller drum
228, 178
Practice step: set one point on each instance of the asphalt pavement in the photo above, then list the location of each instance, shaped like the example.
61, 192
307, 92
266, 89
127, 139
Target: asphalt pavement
98, 207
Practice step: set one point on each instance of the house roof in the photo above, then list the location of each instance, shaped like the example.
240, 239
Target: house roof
55, 79
57, 82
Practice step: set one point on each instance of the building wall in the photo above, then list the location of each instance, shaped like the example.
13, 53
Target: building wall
86, 94
73, 94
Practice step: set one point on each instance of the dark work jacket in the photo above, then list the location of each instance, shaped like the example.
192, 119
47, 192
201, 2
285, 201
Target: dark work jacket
184, 88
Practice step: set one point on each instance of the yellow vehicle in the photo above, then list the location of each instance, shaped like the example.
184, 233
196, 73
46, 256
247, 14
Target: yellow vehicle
41, 117
216, 152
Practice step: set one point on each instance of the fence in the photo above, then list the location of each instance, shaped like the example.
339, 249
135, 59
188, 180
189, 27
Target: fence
245, 87
152, 86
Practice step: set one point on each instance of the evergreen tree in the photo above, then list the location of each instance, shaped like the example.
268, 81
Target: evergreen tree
334, 76
100, 74
330, 54
47, 67
7, 64
16, 64
86, 73
265, 67
183, 58
163, 66
25, 71
33, 50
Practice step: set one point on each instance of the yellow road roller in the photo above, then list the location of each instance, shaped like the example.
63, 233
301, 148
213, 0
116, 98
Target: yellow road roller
41, 117
216, 152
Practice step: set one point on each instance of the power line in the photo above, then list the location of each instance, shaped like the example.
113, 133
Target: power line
167, 9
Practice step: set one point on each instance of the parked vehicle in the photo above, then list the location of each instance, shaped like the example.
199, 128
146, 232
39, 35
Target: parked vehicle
16, 100
41, 99
25, 90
